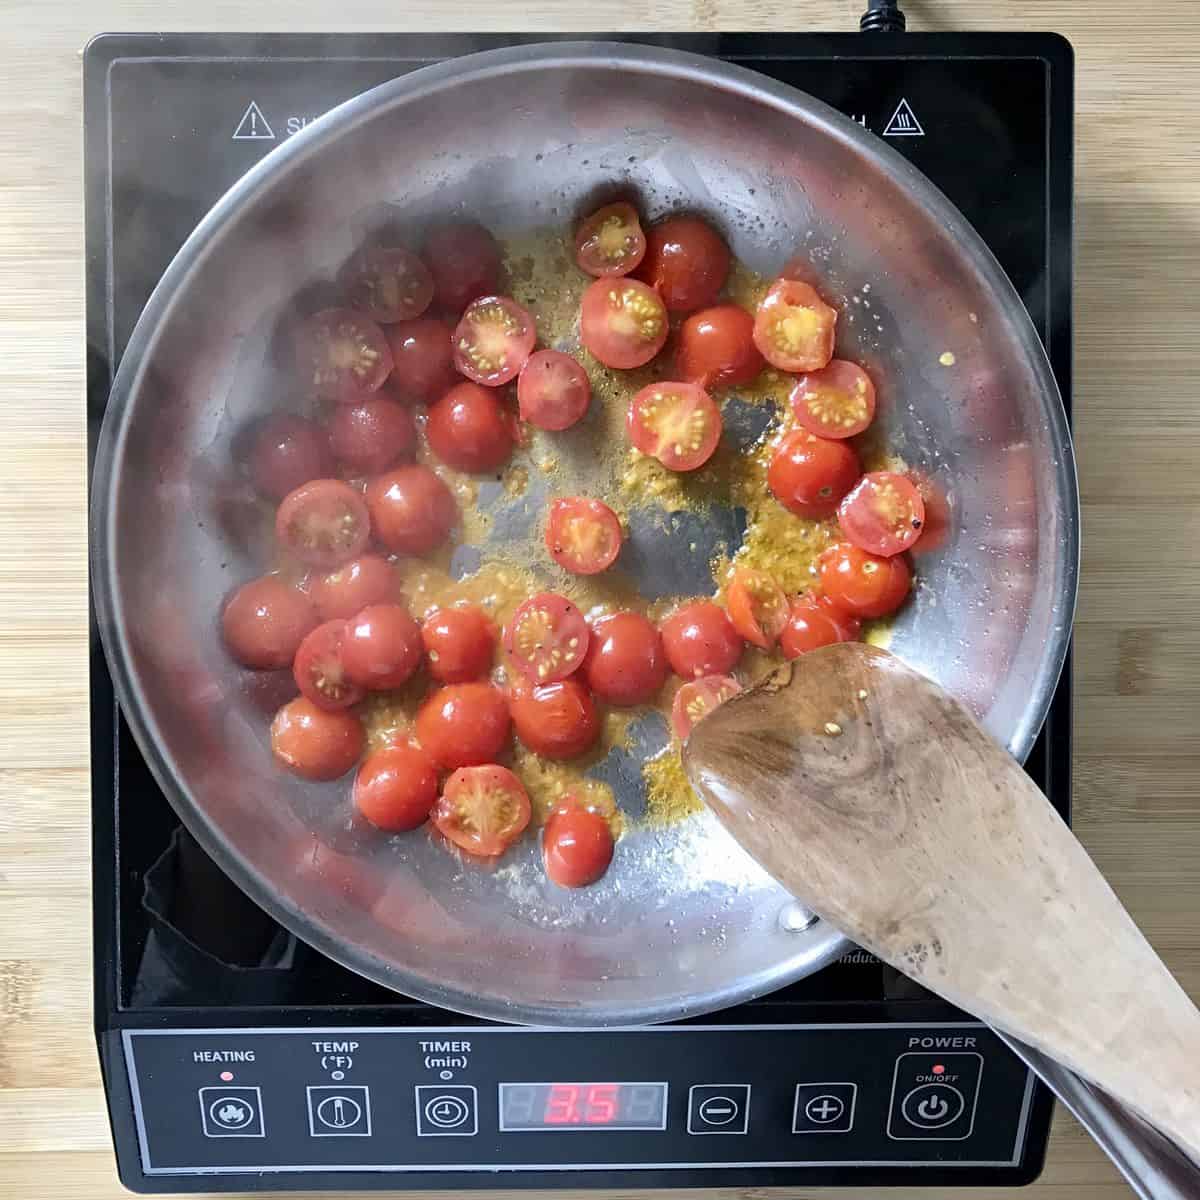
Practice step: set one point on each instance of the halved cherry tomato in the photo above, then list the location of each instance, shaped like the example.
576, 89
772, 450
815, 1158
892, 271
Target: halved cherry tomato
577, 845
757, 607
314, 743
812, 624
610, 241
700, 639
861, 584
464, 261
365, 580
809, 475
343, 355
697, 698
284, 452
583, 535
469, 429
460, 644
482, 809
323, 523
677, 423
884, 514
371, 436
382, 647
412, 510
464, 724
687, 263
836, 402
794, 327
423, 357
622, 322
320, 669
716, 347
553, 390
265, 621
396, 787
389, 284
555, 720
626, 663
547, 638
493, 340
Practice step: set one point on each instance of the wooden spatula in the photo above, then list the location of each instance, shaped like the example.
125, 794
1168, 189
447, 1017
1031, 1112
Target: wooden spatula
879, 802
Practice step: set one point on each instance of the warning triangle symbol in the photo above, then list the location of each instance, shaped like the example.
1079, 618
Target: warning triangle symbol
904, 122
253, 126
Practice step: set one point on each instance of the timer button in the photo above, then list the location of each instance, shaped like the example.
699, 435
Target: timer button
446, 1111
718, 1108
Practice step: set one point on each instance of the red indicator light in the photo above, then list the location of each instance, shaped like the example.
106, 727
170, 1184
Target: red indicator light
938, 1069
226, 1076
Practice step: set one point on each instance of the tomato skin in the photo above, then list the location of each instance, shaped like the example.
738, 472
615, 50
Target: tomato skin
320, 669
577, 846
884, 514
345, 591
697, 698
469, 430
686, 262
556, 720
553, 390
464, 260
794, 328
700, 639
265, 621
396, 787
863, 585
494, 340
423, 357
812, 625
716, 347
343, 355
388, 284
836, 402
809, 475
284, 452
412, 510
323, 523
622, 323
464, 724
482, 810
316, 744
610, 241
757, 607
583, 535
676, 423
626, 663
371, 436
547, 638
382, 648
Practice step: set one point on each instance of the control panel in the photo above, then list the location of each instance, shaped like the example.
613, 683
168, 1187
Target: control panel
497, 1099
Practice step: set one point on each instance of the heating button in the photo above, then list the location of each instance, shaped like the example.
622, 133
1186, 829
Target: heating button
933, 1097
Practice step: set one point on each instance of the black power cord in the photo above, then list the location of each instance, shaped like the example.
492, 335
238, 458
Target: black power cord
882, 16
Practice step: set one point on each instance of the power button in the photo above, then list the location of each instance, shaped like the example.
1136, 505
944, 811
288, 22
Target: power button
934, 1097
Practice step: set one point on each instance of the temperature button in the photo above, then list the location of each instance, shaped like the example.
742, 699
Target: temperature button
446, 1111
341, 1111
719, 1108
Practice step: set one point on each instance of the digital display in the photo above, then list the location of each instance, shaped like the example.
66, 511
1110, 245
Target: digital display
578, 1106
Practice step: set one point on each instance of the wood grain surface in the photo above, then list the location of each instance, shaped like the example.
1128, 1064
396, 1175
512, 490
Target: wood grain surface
1138, 429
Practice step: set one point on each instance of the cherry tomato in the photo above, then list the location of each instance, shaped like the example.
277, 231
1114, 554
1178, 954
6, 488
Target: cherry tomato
493, 340
577, 845
423, 357
482, 809
320, 668
286, 451
464, 261
861, 584
314, 743
323, 523
812, 624
884, 514
460, 644
849, 628
369, 437
555, 720
396, 787
676, 423
622, 322
344, 355
687, 263
810, 475
757, 607
412, 510
716, 347
794, 327
265, 621
464, 724
697, 698
547, 638
610, 241
700, 639
382, 647
365, 580
626, 663
553, 390
836, 402
469, 430
583, 535
388, 284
